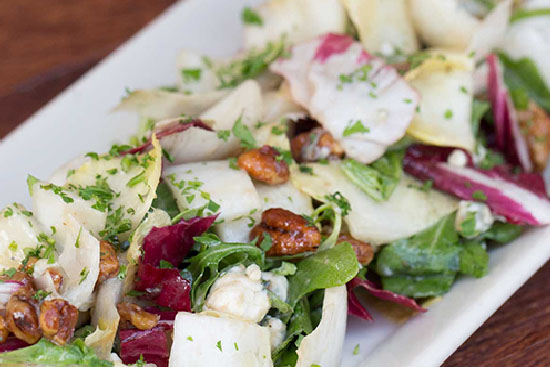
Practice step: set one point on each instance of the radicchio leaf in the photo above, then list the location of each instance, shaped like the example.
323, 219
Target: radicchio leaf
172, 243
151, 344
164, 286
166, 131
355, 308
518, 198
509, 139
12, 343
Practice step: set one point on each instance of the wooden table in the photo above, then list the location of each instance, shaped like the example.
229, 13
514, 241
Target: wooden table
46, 45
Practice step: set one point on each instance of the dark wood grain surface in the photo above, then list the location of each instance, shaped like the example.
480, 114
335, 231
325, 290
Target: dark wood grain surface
46, 45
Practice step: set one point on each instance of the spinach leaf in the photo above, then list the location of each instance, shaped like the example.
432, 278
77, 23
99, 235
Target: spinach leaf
502, 232
379, 179
419, 286
324, 269
435, 250
165, 200
48, 353
522, 77
208, 264
474, 259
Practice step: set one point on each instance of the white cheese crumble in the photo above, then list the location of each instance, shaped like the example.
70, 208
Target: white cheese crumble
277, 284
277, 330
473, 218
457, 158
240, 293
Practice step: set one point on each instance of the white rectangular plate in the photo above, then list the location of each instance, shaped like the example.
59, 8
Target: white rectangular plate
78, 121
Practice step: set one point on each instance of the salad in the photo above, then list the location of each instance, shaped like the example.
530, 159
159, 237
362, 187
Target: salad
357, 154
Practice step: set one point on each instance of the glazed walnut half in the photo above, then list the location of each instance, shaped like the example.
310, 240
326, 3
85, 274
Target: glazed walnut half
265, 164
21, 318
535, 125
290, 233
108, 261
58, 320
136, 316
363, 250
315, 145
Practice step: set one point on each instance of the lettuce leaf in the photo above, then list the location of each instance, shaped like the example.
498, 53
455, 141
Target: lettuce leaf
47, 353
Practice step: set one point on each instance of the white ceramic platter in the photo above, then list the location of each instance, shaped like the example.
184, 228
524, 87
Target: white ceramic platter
79, 120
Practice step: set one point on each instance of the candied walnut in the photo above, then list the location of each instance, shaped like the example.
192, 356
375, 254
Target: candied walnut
4, 332
21, 318
363, 250
265, 164
135, 315
535, 125
315, 145
58, 320
290, 233
108, 261
57, 277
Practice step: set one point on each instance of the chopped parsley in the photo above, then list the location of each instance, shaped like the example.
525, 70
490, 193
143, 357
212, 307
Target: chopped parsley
191, 75
31, 181
250, 17
242, 132
137, 179
277, 130
12, 246
41, 295
219, 345
190, 338
479, 195
356, 127
100, 192
356, 349
233, 164
224, 135
284, 155
338, 199
236, 346
93, 155
448, 114
8, 212
77, 242
122, 272
84, 274
59, 191
306, 169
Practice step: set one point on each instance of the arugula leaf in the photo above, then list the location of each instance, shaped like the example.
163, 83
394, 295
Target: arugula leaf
379, 179
435, 250
356, 127
324, 269
474, 259
165, 200
427, 263
522, 74
300, 324
211, 262
242, 132
419, 286
47, 353
502, 232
